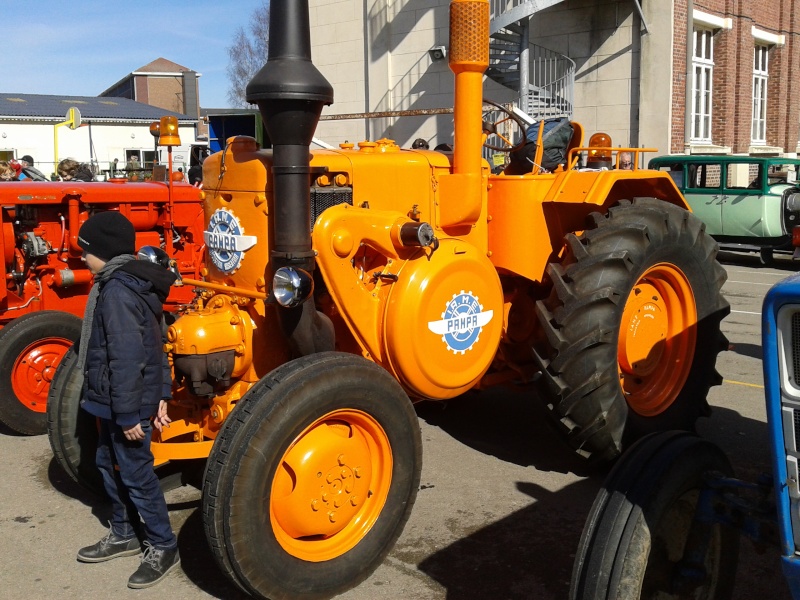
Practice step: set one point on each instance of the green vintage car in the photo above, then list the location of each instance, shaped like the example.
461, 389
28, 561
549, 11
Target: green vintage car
747, 202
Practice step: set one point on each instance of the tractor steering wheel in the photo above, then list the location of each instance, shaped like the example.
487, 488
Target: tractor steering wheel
498, 126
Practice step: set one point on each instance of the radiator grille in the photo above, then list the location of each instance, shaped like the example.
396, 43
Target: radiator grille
324, 198
795, 346
796, 428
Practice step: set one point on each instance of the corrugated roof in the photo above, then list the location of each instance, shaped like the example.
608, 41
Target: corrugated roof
91, 107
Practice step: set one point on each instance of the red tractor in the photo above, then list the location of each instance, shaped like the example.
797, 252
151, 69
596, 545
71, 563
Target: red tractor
46, 283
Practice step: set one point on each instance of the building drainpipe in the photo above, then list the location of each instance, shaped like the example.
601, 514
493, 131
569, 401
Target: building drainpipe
687, 115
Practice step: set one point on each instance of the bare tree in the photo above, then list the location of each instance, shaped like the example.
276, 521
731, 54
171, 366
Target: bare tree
247, 54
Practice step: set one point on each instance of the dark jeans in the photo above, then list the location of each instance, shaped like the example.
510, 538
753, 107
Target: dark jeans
134, 488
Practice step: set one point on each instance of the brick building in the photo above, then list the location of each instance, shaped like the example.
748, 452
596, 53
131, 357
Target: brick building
739, 90
164, 84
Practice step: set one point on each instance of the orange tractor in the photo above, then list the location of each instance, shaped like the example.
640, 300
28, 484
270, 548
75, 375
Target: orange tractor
342, 285
46, 283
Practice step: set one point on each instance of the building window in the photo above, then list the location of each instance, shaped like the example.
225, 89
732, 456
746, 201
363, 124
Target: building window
760, 76
703, 68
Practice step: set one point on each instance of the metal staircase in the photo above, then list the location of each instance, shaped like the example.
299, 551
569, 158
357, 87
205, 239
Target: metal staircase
543, 79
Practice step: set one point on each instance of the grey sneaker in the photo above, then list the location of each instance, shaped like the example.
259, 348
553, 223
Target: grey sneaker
111, 546
156, 564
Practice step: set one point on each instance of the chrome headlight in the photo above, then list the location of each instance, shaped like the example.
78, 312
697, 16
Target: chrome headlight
291, 286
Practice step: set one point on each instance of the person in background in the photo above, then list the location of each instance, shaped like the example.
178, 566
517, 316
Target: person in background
127, 382
71, 170
420, 144
29, 171
133, 164
625, 161
113, 166
7, 172
195, 173
444, 148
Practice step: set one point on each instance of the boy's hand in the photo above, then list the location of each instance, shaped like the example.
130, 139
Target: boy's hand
161, 419
134, 433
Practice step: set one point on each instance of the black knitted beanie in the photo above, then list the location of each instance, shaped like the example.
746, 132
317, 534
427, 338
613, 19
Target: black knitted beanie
107, 234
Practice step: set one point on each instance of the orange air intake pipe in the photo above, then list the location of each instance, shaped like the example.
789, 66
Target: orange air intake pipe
469, 59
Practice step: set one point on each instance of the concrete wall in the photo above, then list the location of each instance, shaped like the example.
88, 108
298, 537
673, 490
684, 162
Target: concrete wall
629, 84
656, 77
375, 54
602, 37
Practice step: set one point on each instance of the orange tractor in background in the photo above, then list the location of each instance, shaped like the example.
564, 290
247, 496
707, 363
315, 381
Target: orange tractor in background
46, 283
342, 285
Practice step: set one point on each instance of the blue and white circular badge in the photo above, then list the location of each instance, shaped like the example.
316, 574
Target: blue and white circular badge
225, 240
462, 321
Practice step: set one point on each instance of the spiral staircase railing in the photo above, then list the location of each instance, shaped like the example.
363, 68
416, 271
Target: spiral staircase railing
543, 79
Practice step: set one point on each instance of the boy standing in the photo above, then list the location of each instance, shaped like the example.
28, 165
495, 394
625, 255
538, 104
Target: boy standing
126, 382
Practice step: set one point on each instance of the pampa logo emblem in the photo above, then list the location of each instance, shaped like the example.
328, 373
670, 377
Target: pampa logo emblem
462, 321
226, 241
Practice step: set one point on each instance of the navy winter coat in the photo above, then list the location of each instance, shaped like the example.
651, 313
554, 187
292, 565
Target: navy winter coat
127, 372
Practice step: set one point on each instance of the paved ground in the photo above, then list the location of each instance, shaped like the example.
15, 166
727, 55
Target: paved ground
498, 515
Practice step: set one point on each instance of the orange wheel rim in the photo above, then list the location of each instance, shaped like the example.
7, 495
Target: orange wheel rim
34, 369
657, 339
331, 485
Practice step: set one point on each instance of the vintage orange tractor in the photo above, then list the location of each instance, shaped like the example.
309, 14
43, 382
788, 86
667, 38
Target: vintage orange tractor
342, 285
46, 283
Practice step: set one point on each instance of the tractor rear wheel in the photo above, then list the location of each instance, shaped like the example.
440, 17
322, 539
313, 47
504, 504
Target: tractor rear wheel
631, 328
73, 433
31, 347
312, 477
645, 536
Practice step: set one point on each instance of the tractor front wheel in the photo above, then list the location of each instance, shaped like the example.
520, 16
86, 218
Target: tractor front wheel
631, 328
312, 477
31, 347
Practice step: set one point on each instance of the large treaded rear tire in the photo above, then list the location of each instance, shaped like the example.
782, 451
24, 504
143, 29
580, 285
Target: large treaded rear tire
581, 357
641, 536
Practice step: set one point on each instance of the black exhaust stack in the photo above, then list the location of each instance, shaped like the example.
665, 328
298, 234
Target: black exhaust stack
290, 93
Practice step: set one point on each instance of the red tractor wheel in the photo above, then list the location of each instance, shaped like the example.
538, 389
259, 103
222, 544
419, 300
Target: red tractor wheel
31, 348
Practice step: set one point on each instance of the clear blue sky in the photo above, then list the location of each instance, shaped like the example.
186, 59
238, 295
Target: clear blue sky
82, 48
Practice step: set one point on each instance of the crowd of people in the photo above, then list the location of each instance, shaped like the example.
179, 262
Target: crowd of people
70, 169
17, 170
25, 169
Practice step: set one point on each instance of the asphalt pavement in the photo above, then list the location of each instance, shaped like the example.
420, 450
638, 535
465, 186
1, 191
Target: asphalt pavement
498, 516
